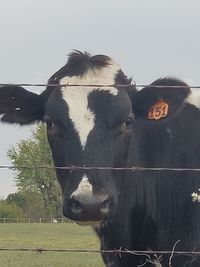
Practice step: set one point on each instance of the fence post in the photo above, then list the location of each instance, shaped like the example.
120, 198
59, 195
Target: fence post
4, 220
40, 220
29, 220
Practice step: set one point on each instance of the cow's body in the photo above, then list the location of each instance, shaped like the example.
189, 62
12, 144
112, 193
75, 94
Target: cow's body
156, 210
120, 127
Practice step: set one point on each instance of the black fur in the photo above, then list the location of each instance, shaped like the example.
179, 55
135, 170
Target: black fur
20, 106
78, 63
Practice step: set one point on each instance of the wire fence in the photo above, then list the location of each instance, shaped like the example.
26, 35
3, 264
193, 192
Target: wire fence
73, 168
35, 220
153, 256
115, 251
98, 85
147, 253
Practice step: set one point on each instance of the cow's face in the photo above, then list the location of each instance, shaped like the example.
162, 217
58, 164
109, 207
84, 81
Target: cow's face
86, 126
89, 127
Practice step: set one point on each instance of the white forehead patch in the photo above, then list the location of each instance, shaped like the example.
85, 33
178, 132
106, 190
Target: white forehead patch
76, 98
194, 99
79, 113
84, 188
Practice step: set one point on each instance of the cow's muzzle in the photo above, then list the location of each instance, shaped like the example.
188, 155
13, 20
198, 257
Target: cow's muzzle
88, 210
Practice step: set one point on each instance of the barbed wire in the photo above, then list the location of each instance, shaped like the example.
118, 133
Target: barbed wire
72, 168
98, 85
114, 251
149, 255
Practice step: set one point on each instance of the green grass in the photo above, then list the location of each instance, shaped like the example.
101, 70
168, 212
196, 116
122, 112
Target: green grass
48, 236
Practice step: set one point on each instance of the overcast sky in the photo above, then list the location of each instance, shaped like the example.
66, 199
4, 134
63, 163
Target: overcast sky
148, 38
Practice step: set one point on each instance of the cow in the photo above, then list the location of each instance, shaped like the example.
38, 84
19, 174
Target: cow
107, 128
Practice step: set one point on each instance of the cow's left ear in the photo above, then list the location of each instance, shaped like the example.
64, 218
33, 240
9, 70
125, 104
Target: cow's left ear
18, 105
161, 100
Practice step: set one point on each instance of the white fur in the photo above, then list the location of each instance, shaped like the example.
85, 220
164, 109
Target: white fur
84, 188
105, 76
77, 97
194, 99
1, 115
79, 113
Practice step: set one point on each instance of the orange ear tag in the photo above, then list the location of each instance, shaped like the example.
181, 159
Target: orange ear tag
158, 111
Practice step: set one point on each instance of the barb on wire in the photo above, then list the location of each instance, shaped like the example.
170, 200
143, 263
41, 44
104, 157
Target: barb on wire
98, 85
72, 168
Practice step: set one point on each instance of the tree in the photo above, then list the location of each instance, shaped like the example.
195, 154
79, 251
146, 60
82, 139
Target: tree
30, 203
10, 210
34, 152
16, 198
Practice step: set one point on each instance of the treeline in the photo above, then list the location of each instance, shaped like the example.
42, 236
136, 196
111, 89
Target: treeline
38, 193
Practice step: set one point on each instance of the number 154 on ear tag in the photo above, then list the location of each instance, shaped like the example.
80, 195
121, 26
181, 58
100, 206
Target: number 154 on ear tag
158, 111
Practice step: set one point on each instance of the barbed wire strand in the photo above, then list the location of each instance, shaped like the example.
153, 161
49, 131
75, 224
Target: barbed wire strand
72, 168
115, 251
97, 85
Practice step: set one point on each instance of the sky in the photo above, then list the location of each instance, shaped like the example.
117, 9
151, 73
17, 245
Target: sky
148, 38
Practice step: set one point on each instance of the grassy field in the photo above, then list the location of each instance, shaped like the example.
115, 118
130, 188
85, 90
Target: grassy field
48, 236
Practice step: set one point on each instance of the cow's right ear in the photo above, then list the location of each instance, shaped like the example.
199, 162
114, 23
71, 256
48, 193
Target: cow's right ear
18, 105
160, 101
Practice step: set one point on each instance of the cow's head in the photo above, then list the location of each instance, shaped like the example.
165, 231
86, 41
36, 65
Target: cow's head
86, 126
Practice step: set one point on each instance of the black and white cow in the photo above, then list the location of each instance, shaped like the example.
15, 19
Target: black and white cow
115, 126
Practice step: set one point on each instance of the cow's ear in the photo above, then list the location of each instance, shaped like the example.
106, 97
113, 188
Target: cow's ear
161, 100
18, 105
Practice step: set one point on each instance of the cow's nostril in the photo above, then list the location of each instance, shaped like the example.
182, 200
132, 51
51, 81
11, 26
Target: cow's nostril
76, 206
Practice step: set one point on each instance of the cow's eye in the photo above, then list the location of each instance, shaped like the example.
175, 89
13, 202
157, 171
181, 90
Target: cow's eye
128, 121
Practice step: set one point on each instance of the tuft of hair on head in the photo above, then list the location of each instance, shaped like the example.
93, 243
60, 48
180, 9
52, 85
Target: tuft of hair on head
84, 58
76, 56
